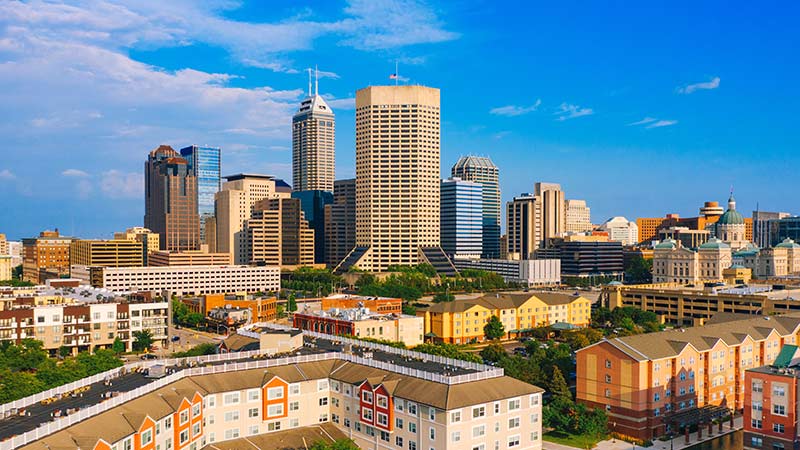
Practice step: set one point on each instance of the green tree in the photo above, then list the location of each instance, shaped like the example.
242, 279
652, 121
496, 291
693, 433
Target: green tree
198, 350
15, 385
291, 303
409, 309
494, 352
638, 270
558, 385
28, 355
494, 328
118, 346
443, 297
64, 351
142, 340
339, 444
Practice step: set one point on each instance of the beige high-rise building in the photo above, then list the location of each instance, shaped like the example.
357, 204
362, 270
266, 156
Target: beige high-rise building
235, 205
313, 144
524, 226
106, 253
579, 219
278, 233
150, 241
397, 175
554, 212
3, 245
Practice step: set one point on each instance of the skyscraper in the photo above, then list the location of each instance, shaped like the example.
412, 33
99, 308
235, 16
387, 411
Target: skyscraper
554, 211
524, 226
205, 165
313, 144
171, 200
235, 204
579, 217
313, 205
278, 233
340, 222
461, 218
397, 175
482, 170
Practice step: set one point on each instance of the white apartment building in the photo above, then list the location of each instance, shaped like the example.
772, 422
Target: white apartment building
185, 280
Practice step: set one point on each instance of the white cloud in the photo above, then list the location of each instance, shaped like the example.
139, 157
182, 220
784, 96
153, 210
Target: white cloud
500, 135
340, 103
662, 123
643, 121
567, 111
74, 173
513, 110
325, 74
6, 174
713, 84
115, 184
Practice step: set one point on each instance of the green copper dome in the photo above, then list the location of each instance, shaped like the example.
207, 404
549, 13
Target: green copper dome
788, 243
731, 216
714, 243
667, 243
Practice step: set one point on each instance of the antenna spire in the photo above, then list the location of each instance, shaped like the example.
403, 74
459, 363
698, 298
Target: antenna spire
316, 80
309, 81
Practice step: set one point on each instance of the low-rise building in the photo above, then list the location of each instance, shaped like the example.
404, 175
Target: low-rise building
772, 402
262, 309
106, 253
775, 262
184, 280
585, 257
462, 321
673, 263
642, 380
163, 258
266, 338
363, 323
381, 305
527, 272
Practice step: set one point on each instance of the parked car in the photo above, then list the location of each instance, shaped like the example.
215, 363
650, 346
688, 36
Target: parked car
520, 351
149, 356
176, 338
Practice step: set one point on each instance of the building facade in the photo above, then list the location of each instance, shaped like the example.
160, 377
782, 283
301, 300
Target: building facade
381, 305
579, 218
313, 204
527, 272
788, 227
554, 211
621, 230
595, 258
46, 256
772, 403
642, 380
461, 218
150, 241
397, 174
278, 234
462, 321
262, 309
205, 163
185, 280
340, 222
673, 263
313, 145
107, 253
170, 207
361, 322
481, 169
188, 258
731, 227
524, 227
765, 227
235, 205
779, 261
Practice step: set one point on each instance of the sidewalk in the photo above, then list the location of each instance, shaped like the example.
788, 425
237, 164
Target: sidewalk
678, 443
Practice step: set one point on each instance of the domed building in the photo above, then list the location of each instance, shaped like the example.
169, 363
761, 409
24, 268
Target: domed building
674, 263
731, 228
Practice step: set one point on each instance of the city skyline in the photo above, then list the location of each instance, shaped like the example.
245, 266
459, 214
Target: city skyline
578, 115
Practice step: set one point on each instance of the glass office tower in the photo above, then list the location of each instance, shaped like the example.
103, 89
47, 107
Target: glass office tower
205, 165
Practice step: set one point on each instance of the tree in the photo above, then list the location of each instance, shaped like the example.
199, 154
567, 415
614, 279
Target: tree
558, 385
448, 351
118, 346
443, 297
339, 444
142, 340
639, 270
408, 309
494, 352
291, 303
494, 329
64, 351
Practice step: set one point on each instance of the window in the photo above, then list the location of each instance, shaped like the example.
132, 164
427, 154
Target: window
778, 390
252, 412
322, 385
479, 431
168, 423
431, 413
513, 441
779, 410
366, 397
778, 427
231, 398
294, 389
455, 416
398, 423
232, 433
412, 445
399, 405
231, 416
382, 401
398, 441
184, 416
656, 397
535, 418
479, 411
253, 395
758, 386
184, 437
196, 410
252, 430
196, 429
323, 401
147, 437
412, 408
513, 423
366, 414
412, 427
294, 406
756, 441
432, 433
455, 436
534, 400
496, 408
274, 393
211, 401
275, 410
383, 419
535, 436
608, 378
608, 364
514, 404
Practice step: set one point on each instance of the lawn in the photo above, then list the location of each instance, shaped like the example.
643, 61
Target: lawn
572, 440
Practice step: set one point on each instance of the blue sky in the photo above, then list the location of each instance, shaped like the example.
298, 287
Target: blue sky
639, 109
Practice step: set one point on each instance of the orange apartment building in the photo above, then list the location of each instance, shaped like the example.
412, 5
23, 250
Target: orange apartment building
771, 403
264, 309
641, 380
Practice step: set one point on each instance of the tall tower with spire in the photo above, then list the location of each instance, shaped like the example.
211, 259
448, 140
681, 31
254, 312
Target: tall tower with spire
313, 143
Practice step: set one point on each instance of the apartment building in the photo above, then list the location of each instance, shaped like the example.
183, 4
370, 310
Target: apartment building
642, 380
462, 321
45, 256
362, 322
693, 306
106, 253
772, 403
188, 258
378, 408
81, 325
185, 280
